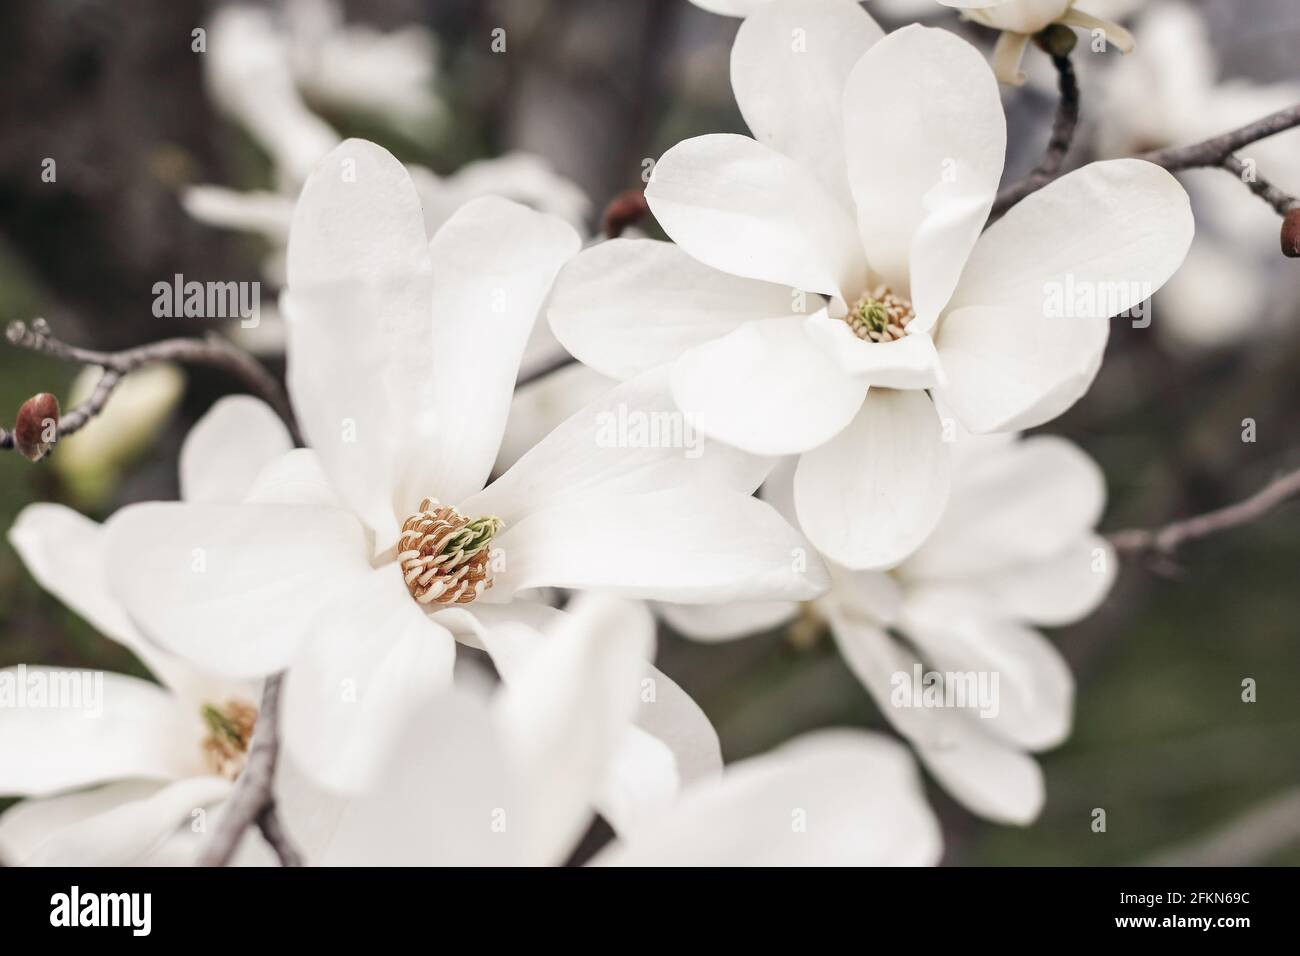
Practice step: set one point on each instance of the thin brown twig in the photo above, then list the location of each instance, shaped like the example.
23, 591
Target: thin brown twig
1064, 125
211, 351
251, 801
1165, 540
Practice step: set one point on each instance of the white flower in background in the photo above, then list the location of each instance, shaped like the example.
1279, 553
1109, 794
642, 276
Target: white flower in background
868, 183
513, 780
1171, 96
1015, 550
143, 782
341, 565
91, 460
1019, 20
259, 70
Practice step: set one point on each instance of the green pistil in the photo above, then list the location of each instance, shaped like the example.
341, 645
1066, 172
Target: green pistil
474, 537
222, 727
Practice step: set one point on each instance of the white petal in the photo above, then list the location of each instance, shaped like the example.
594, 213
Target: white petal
89, 727
232, 588
118, 825
1022, 503
1033, 702
670, 714
225, 450
695, 545
833, 798
789, 65
988, 777
493, 263
632, 439
373, 659
266, 213
870, 496
64, 551
627, 305
640, 784
1028, 323
926, 140
724, 622
29, 823
1059, 590
541, 406
768, 387
746, 209
909, 362
563, 717
295, 478
358, 304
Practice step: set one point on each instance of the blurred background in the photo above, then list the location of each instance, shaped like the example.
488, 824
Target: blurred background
134, 117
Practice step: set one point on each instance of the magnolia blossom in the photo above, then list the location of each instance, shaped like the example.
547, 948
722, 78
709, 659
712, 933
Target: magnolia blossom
354, 562
1015, 549
513, 779
1019, 20
875, 163
142, 780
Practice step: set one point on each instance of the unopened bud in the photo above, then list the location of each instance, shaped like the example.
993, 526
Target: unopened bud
37, 426
1291, 234
1056, 39
625, 209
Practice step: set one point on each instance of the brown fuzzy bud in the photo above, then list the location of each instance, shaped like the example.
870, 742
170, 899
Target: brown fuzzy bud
625, 209
37, 426
1291, 234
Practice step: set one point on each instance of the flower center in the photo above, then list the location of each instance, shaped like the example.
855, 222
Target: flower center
880, 316
444, 555
230, 728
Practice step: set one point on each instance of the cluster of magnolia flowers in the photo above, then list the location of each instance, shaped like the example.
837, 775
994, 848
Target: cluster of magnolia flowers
830, 320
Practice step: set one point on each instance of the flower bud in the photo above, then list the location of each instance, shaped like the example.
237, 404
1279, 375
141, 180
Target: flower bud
1291, 234
37, 426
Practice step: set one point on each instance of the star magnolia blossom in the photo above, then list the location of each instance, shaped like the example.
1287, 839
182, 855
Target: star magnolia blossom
875, 163
1015, 549
1019, 20
121, 787
402, 360
511, 780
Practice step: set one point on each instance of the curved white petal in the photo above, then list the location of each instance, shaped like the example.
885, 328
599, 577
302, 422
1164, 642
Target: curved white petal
360, 322
232, 588
1027, 324
541, 406
909, 362
563, 716
640, 784
669, 713
832, 798
228, 447
725, 622
926, 140
117, 825
689, 545
295, 478
769, 387
1032, 704
1024, 502
265, 213
871, 495
64, 551
373, 658
789, 65
1058, 590
627, 305
988, 777
744, 208
632, 439
493, 264
89, 727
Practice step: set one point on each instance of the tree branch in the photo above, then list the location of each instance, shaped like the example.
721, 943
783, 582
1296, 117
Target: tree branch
211, 351
251, 800
1058, 144
1164, 541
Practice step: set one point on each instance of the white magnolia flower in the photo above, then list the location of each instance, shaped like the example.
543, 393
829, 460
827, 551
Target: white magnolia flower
262, 74
1171, 96
514, 780
1019, 20
1015, 550
354, 562
143, 781
872, 173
